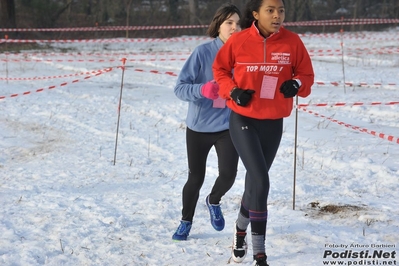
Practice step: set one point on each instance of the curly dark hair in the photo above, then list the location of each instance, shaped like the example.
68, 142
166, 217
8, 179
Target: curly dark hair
248, 18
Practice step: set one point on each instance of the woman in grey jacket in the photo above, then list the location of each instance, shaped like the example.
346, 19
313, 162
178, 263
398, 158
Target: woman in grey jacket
207, 123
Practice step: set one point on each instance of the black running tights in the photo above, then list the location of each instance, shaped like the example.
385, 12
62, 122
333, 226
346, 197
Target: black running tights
257, 142
198, 147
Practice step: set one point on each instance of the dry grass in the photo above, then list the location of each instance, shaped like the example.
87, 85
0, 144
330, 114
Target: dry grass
341, 211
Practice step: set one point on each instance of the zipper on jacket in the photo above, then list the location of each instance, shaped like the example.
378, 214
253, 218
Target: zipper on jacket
264, 50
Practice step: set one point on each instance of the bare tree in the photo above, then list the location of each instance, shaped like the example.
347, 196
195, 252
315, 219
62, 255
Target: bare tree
193, 11
7, 13
58, 13
173, 11
128, 4
80, 13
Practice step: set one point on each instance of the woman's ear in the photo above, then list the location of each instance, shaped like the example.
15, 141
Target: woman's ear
255, 15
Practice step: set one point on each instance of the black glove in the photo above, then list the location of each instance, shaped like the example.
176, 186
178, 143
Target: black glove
289, 88
241, 96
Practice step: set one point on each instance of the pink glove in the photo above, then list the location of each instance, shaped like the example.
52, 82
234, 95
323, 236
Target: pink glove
210, 90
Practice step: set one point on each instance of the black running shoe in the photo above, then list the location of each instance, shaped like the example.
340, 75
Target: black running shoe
239, 250
260, 259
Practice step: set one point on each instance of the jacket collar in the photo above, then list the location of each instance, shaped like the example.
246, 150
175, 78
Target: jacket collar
255, 31
218, 42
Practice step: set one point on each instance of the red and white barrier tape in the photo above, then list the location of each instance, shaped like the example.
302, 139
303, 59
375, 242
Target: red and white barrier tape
112, 40
53, 87
155, 57
59, 76
130, 40
364, 130
335, 22
341, 22
87, 77
170, 73
351, 36
348, 54
300, 106
340, 104
91, 60
346, 35
355, 53
104, 28
127, 54
374, 50
353, 84
356, 50
320, 83
154, 71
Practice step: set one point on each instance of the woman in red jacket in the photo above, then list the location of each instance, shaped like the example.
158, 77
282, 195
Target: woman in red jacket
271, 66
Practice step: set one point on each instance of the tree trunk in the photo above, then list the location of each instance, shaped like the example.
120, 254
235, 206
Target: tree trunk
173, 11
128, 5
193, 11
7, 14
57, 14
355, 9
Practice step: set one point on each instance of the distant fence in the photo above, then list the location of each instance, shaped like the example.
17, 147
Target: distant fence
335, 22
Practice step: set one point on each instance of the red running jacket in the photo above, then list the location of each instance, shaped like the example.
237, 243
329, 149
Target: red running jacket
259, 62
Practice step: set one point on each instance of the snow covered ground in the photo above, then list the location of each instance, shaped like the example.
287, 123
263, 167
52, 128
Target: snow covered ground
66, 202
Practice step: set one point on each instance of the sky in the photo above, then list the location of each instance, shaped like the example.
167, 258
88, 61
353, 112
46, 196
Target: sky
93, 158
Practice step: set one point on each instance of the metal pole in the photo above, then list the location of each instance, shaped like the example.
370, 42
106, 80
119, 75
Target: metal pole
6, 37
295, 148
119, 108
342, 53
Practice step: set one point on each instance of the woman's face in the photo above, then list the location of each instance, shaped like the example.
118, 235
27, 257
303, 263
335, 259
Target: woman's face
270, 16
229, 26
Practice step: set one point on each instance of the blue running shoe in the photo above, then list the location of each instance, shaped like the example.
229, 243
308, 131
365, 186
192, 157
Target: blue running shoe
182, 231
217, 219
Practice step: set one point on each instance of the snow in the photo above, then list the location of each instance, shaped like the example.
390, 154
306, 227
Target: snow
66, 202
